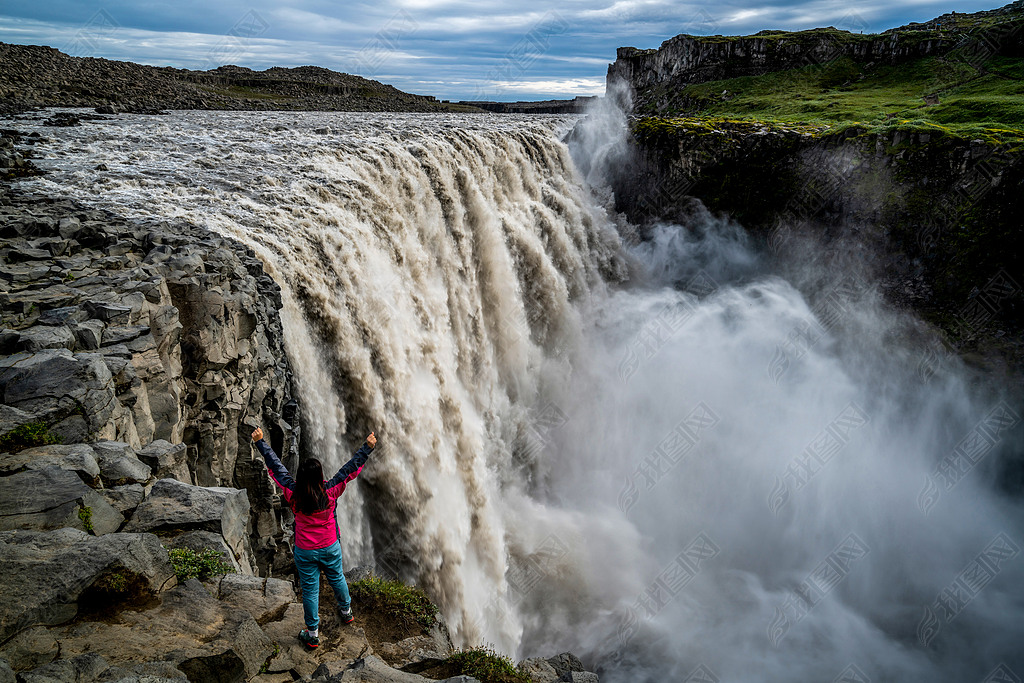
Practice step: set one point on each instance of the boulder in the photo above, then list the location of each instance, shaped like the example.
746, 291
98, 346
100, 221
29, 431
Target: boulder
111, 568
413, 654
77, 458
172, 504
539, 670
119, 465
373, 669
51, 498
74, 393
564, 663
6, 672
43, 337
203, 637
125, 498
167, 460
88, 334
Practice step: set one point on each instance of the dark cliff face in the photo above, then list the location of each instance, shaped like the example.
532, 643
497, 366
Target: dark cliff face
934, 219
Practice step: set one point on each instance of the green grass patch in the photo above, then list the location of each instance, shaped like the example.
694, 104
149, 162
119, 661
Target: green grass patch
28, 435
85, 514
189, 564
407, 605
485, 665
986, 100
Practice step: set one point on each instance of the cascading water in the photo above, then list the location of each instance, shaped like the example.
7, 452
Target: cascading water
665, 458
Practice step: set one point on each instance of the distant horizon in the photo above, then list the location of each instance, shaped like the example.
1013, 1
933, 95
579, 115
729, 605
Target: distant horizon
452, 50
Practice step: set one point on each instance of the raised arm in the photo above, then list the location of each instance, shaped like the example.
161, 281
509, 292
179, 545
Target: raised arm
278, 472
352, 468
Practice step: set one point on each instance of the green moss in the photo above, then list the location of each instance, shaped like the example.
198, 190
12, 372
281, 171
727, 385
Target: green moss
486, 665
189, 564
407, 605
85, 514
28, 435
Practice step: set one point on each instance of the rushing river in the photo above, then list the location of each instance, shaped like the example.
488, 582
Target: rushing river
661, 455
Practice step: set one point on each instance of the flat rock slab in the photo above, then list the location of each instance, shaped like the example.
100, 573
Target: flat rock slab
46, 573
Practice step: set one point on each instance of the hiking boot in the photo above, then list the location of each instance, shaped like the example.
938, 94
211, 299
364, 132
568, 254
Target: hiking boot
308, 640
346, 616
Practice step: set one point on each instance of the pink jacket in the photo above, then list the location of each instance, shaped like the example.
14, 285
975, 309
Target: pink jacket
319, 529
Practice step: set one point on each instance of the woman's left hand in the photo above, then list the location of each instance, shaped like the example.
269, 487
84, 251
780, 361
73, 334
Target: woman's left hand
258, 434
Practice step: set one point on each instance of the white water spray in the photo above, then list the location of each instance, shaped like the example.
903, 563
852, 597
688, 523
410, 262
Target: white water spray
626, 472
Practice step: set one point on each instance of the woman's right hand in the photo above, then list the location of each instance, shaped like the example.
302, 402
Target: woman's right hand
372, 440
258, 434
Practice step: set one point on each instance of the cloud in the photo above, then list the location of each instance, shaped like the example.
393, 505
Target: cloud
452, 49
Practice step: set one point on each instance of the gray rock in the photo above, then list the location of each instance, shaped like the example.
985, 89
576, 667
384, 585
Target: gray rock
119, 465
373, 669
88, 334
146, 672
122, 334
74, 393
30, 648
51, 498
565, 662
12, 418
108, 312
31, 560
77, 458
6, 673
359, 573
265, 599
58, 316
42, 337
580, 677
83, 668
125, 498
174, 505
166, 460
190, 629
539, 670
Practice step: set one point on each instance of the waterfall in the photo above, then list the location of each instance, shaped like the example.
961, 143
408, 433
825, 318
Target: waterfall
664, 456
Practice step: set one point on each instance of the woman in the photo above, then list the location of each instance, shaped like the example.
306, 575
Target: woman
317, 542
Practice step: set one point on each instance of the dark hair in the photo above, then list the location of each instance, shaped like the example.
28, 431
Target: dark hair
310, 495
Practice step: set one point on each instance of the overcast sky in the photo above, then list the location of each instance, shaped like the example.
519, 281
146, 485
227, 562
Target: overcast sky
452, 49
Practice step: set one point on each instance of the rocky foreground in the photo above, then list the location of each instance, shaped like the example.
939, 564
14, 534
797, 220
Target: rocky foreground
135, 358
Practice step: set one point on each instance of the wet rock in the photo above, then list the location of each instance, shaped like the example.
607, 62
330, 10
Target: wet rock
31, 560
